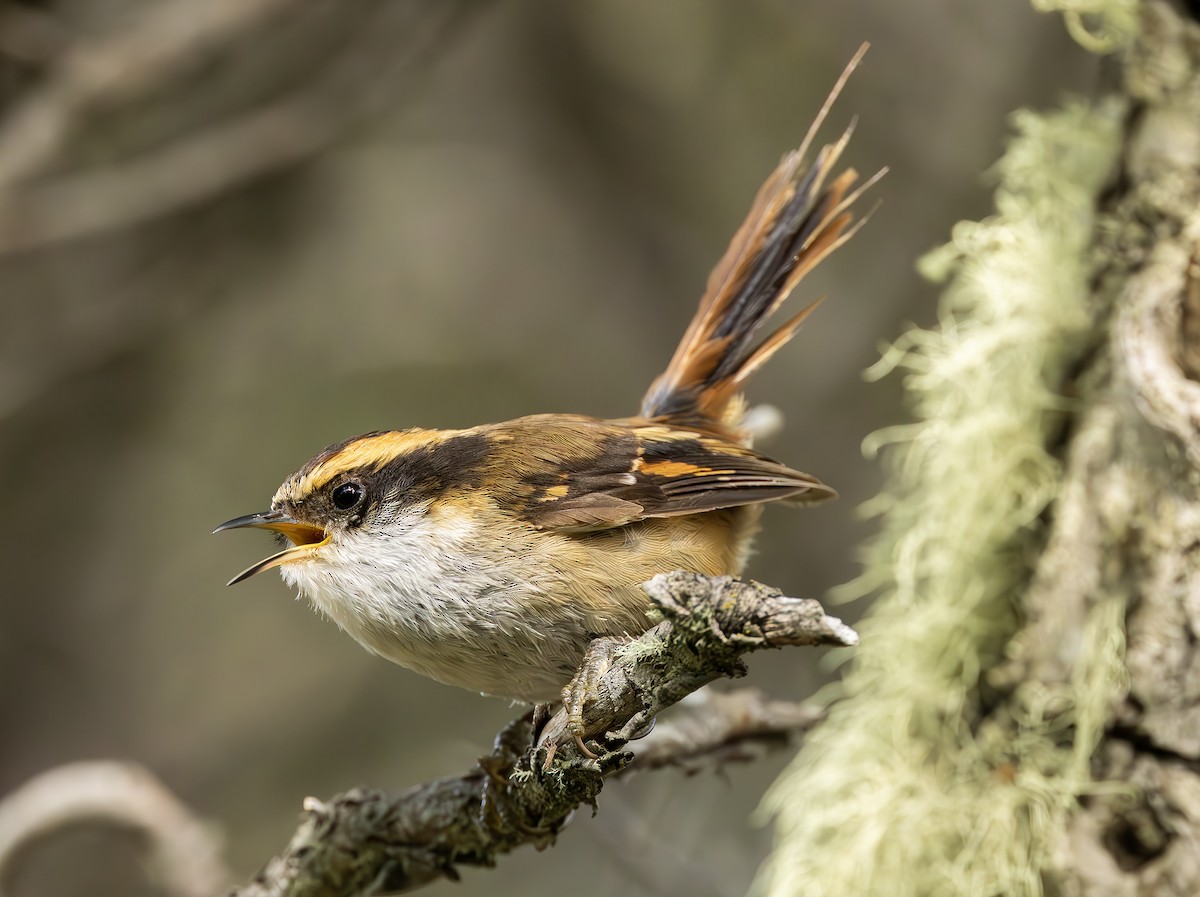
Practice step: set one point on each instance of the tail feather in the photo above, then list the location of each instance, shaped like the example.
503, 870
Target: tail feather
798, 217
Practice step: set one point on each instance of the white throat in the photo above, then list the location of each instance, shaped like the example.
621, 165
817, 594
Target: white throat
415, 590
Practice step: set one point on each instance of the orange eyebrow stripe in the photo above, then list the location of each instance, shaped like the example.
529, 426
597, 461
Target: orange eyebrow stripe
366, 452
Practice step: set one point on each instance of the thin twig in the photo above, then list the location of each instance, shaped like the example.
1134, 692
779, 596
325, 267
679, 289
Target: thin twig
710, 729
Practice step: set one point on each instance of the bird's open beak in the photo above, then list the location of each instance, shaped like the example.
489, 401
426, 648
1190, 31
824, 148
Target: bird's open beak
305, 538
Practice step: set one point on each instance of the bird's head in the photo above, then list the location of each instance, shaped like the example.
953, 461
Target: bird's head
361, 487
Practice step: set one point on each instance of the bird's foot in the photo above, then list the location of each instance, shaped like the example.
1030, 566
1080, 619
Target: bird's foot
588, 685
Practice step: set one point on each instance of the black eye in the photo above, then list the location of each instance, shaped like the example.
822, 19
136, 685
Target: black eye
347, 495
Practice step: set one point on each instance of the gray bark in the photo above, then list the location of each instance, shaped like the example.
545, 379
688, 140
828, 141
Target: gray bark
1127, 525
1026, 703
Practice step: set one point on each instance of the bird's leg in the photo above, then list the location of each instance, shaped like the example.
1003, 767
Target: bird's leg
588, 684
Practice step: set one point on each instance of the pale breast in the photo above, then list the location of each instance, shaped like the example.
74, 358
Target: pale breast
508, 611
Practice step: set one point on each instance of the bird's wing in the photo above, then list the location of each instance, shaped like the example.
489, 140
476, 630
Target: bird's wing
588, 474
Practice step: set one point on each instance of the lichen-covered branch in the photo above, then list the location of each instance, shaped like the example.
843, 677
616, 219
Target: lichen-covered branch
368, 842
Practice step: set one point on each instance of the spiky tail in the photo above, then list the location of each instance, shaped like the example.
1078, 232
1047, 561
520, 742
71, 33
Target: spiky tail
796, 221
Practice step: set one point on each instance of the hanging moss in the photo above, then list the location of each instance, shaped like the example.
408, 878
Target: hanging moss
910, 788
1100, 26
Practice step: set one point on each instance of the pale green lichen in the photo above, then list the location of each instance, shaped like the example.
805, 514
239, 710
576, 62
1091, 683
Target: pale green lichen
909, 788
1100, 26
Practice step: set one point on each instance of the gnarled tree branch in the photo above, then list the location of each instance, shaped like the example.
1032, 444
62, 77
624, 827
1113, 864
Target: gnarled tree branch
369, 842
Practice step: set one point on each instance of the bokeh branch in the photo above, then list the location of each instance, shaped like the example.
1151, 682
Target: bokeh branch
124, 132
183, 853
367, 842
167, 110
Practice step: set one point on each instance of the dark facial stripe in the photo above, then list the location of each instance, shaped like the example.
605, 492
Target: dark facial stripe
430, 471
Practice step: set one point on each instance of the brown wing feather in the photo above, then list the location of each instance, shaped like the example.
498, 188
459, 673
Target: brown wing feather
632, 469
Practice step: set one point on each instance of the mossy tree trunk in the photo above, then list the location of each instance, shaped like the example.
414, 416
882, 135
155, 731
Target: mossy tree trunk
1023, 716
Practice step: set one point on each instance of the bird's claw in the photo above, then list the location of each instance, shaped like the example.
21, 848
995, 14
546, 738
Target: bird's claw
588, 685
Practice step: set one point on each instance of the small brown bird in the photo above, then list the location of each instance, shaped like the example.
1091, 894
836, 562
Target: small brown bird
490, 557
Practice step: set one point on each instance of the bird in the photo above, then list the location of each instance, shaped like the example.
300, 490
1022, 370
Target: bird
490, 557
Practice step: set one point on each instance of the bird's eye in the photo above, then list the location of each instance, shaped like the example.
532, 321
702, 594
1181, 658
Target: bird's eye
347, 495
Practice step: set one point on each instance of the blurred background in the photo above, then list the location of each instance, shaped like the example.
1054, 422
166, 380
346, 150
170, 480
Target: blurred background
234, 231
